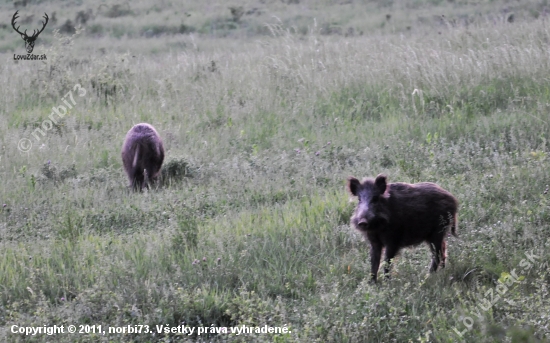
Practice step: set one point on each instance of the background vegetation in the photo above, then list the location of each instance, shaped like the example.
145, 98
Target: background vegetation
265, 108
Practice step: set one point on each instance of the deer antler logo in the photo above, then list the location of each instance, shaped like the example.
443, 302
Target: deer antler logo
29, 41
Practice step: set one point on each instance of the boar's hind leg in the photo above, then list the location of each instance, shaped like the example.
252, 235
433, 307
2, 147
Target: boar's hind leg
438, 254
391, 251
443, 253
137, 181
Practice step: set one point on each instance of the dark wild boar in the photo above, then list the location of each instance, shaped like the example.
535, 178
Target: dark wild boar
142, 155
397, 215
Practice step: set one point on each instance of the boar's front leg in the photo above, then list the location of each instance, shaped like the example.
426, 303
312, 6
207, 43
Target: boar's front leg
375, 256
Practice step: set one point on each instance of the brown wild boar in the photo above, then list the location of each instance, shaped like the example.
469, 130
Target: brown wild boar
142, 155
397, 215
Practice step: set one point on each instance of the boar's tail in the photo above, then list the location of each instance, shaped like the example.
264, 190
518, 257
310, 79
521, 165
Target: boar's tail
136, 156
454, 225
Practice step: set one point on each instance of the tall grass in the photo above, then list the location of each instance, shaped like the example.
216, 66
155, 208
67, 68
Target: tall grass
258, 233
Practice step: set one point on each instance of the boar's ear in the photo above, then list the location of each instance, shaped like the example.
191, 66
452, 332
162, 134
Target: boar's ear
353, 185
380, 183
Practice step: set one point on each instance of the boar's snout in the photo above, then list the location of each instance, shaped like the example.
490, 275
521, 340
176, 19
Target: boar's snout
362, 223
363, 218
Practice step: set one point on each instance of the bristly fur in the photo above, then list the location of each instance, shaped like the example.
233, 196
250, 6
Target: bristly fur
142, 155
397, 215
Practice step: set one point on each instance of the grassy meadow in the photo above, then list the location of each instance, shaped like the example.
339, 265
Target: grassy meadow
265, 108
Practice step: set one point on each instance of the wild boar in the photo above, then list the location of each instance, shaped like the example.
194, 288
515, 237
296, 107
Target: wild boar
142, 155
397, 215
